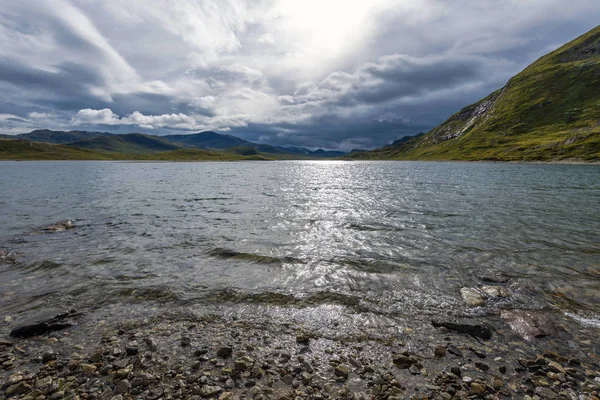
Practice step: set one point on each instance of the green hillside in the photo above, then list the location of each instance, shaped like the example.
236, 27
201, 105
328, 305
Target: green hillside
55, 137
550, 111
133, 143
25, 150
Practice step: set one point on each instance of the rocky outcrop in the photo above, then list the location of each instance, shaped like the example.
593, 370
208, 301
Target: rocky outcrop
462, 122
589, 48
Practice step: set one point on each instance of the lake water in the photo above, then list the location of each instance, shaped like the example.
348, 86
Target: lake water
355, 245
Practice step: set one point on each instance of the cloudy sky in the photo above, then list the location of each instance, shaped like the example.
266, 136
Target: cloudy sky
336, 74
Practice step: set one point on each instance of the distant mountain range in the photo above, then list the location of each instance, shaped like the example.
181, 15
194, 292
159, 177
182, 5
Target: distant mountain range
137, 143
550, 111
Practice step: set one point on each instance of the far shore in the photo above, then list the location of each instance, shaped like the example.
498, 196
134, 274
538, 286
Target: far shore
133, 160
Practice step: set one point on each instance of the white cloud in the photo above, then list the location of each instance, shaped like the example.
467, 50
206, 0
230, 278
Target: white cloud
101, 117
176, 121
37, 115
107, 117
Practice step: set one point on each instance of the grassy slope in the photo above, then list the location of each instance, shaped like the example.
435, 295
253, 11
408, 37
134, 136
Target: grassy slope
57, 137
206, 140
23, 150
133, 143
549, 111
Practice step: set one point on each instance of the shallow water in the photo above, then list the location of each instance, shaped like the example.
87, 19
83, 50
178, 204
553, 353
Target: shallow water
373, 242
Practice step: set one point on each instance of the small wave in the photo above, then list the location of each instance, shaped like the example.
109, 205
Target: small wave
158, 294
590, 321
377, 266
128, 278
374, 228
251, 257
283, 299
207, 199
45, 265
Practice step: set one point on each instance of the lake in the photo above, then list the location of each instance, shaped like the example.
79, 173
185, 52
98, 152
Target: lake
333, 245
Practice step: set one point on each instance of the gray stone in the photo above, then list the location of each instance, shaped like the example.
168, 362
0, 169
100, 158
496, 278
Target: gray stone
132, 348
495, 291
306, 365
303, 338
225, 352
88, 369
306, 378
48, 356
341, 371
403, 361
477, 389
547, 394
17, 389
472, 297
241, 365
136, 382
122, 387
151, 343
440, 351
208, 391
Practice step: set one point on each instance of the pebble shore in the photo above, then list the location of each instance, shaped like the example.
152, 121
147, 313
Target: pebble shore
182, 357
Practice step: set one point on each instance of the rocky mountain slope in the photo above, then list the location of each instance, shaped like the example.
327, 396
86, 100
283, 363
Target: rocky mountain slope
549, 111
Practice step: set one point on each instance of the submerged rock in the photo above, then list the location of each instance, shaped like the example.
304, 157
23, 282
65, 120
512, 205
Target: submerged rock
472, 297
56, 323
404, 361
303, 338
529, 324
38, 329
439, 351
492, 276
225, 352
547, 394
475, 330
59, 226
341, 371
7, 257
495, 291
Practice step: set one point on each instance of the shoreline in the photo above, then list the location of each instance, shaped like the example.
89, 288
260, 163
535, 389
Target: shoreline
186, 356
556, 162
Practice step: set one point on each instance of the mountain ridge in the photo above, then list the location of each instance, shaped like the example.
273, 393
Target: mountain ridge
138, 143
549, 111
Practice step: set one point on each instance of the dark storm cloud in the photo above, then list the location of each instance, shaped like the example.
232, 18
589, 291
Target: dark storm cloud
320, 73
66, 79
396, 77
372, 127
154, 104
